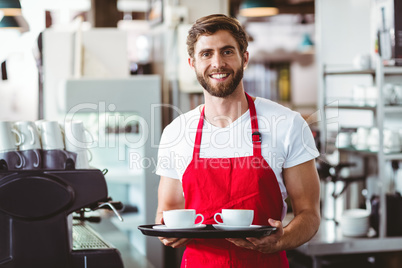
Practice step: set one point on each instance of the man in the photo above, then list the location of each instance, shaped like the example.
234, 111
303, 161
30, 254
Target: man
236, 152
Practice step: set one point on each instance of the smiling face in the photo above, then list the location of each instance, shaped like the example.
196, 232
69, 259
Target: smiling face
218, 63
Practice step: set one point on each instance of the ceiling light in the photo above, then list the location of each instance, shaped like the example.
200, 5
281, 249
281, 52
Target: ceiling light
10, 7
9, 22
258, 8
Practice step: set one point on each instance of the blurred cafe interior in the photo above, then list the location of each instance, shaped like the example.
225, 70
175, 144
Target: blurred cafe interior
116, 73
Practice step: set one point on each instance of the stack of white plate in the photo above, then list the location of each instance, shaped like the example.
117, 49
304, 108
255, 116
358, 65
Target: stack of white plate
355, 222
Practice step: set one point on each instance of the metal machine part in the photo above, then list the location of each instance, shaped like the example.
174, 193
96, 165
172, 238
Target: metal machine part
34, 219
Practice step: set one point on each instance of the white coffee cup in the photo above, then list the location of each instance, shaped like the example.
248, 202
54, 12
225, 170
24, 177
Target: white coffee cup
362, 61
359, 95
30, 135
373, 140
76, 136
84, 157
390, 95
181, 218
360, 139
76, 141
344, 139
398, 93
371, 95
10, 138
392, 142
235, 217
51, 135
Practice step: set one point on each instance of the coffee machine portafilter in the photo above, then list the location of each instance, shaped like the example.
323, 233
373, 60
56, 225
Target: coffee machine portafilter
331, 174
34, 219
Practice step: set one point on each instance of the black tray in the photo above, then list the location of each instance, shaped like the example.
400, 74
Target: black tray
208, 232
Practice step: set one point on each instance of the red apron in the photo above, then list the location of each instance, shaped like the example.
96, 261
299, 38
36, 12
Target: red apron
211, 184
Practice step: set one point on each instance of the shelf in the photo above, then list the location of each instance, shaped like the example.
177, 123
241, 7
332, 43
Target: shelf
392, 70
387, 71
354, 150
349, 72
387, 156
387, 109
350, 107
393, 109
393, 156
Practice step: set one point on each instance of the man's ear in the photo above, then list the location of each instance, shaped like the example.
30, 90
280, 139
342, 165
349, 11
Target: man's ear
191, 63
245, 59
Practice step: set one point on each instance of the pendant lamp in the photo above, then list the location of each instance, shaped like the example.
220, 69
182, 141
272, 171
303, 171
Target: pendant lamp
9, 22
10, 7
258, 8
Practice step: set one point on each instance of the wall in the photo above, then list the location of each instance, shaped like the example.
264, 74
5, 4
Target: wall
341, 36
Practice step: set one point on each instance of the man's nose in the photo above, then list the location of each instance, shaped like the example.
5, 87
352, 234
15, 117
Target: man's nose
217, 61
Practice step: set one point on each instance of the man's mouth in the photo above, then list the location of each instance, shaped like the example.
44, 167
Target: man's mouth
219, 75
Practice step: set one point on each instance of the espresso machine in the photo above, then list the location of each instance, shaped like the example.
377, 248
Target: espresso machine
35, 225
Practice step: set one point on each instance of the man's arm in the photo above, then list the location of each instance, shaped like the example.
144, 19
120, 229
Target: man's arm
170, 196
303, 186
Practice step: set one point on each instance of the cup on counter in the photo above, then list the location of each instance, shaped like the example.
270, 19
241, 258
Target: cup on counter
76, 136
360, 138
371, 96
235, 217
398, 93
390, 94
30, 135
373, 140
76, 141
10, 138
359, 95
181, 218
362, 61
392, 143
344, 139
51, 135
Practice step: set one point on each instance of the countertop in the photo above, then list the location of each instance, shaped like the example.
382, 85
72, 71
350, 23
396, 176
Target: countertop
329, 240
111, 234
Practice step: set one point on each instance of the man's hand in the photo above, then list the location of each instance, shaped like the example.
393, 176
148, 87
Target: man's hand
170, 196
303, 186
266, 244
174, 242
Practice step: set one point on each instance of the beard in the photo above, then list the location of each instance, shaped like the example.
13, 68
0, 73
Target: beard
222, 89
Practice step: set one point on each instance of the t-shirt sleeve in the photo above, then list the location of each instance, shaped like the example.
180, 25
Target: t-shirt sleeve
166, 165
300, 143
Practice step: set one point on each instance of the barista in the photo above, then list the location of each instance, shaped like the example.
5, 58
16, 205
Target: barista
236, 151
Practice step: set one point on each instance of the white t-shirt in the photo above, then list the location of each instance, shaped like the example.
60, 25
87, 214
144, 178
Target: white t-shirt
286, 140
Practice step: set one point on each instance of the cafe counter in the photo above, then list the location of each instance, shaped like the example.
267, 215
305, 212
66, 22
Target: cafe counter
330, 248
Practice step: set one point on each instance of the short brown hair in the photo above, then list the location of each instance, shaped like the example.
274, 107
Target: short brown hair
209, 25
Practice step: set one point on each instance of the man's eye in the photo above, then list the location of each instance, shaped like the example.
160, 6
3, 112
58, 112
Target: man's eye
227, 52
205, 54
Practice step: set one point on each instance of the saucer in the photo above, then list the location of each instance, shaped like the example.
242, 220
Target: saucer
164, 227
235, 228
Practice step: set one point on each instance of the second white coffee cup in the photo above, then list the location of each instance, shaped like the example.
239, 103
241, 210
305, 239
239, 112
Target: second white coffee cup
181, 218
51, 135
235, 217
29, 134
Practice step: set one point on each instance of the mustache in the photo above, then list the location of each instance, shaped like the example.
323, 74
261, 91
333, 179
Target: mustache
220, 70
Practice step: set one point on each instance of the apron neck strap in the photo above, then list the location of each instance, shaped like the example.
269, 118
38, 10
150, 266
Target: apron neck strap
255, 133
255, 136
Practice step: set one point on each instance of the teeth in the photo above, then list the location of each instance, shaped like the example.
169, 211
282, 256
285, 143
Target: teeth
218, 76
